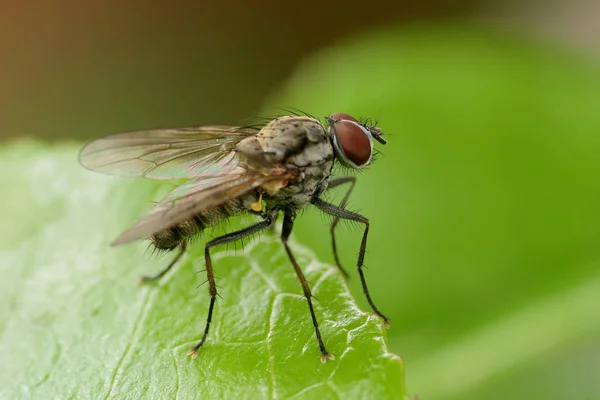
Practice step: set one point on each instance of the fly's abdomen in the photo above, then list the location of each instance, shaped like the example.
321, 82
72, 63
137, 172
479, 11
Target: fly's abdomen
170, 238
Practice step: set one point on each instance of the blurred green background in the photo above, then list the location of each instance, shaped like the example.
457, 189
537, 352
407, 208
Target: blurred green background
484, 248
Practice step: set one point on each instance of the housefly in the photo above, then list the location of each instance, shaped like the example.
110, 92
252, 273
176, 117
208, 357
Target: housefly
277, 169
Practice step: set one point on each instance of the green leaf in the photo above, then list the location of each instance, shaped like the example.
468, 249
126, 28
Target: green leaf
484, 206
74, 324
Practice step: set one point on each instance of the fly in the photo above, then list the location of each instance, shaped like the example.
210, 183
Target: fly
277, 169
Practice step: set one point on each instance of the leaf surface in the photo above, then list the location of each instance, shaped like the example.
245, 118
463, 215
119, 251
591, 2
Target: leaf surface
74, 324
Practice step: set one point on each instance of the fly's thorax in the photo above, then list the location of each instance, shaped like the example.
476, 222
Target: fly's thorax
297, 144
302, 145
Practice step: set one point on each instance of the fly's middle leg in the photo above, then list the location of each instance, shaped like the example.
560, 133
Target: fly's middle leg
268, 220
288, 224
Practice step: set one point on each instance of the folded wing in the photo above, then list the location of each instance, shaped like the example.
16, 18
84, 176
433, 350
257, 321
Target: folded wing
198, 195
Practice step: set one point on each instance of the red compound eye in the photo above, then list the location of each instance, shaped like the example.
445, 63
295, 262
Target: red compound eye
352, 141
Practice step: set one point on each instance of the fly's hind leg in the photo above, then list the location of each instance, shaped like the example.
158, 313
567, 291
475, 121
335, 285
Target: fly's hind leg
154, 278
288, 224
268, 220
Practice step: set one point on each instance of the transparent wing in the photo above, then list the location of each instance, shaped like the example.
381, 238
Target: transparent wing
195, 196
166, 153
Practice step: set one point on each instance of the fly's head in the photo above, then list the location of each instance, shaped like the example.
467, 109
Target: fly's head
352, 140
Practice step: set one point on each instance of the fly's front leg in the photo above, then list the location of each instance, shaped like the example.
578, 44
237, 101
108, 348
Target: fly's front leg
212, 286
333, 183
154, 278
288, 224
338, 212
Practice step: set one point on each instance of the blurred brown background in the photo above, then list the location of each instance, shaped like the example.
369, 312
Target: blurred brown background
64, 62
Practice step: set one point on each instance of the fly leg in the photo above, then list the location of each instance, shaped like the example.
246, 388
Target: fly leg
212, 287
154, 278
333, 183
286, 230
338, 212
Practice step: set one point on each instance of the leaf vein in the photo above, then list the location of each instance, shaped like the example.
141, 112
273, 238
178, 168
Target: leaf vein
128, 347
